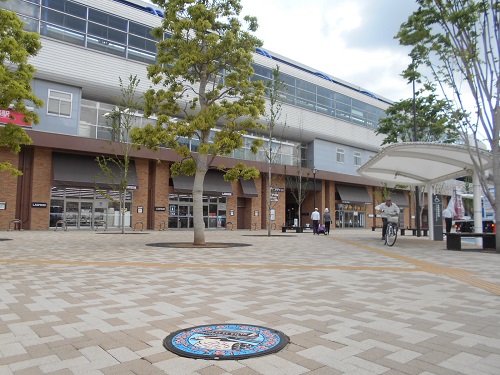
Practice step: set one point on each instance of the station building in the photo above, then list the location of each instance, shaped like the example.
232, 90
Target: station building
325, 133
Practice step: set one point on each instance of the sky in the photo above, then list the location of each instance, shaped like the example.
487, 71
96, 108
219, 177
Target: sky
348, 39
352, 40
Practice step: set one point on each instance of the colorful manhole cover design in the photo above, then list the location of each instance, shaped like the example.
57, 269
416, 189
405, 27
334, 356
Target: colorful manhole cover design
225, 341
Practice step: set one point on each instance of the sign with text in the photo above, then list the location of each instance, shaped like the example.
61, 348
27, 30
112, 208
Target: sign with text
160, 208
16, 118
38, 204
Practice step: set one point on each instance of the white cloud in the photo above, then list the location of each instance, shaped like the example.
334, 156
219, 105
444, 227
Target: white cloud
352, 40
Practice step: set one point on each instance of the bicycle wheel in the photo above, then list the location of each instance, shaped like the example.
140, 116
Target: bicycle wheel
391, 235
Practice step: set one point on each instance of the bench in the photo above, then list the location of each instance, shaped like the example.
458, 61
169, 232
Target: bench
414, 231
296, 229
454, 240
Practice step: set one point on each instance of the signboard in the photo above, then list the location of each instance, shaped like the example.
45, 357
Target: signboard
227, 194
39, 204
437, 208
279, 190
16, 118
160, 208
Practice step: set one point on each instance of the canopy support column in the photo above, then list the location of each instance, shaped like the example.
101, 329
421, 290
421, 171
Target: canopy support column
476, 201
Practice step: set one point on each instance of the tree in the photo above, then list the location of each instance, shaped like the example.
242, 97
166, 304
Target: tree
204, 66
116, 168
299, 184
436, 121
16, 47
273, 91
458, 41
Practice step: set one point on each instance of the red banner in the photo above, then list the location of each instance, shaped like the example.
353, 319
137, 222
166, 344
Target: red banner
8, 115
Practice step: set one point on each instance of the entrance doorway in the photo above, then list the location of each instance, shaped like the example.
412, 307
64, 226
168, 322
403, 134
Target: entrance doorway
79, 214
350, 216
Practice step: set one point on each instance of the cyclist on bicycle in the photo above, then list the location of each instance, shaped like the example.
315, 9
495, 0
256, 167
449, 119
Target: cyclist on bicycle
388, 209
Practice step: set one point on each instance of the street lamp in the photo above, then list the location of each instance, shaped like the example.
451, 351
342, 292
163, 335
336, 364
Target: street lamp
314, 170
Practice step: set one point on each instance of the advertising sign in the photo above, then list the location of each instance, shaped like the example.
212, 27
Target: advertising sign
16, 118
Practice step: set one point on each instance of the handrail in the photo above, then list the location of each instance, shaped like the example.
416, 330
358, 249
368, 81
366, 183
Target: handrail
64, 225
17, 223
100, 222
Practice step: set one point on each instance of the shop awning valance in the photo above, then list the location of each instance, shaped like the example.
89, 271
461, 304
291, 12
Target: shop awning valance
249, 188
353, 194
399, 198
84, 171
214, 184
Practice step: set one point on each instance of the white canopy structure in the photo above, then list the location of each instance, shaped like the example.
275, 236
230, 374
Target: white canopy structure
425, 163
421, 163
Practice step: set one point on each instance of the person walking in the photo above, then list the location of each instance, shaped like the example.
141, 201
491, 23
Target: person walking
388, 209
448, 219
327, 218
315, 216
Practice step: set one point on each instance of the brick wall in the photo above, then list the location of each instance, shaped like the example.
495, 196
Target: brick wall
8, 189
42, 176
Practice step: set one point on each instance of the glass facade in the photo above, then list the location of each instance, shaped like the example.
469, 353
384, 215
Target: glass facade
82, 208
91, 28
180, 215
350, 215
95, 124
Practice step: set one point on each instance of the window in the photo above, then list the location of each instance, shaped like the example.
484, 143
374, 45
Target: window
59, 103
340, 155
357, 159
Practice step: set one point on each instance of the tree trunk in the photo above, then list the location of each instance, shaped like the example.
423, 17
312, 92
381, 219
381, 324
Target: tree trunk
199, 224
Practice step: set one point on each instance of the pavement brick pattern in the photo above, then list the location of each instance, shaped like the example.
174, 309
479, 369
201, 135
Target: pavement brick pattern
83, 302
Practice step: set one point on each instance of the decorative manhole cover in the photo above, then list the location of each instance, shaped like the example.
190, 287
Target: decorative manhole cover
225, 341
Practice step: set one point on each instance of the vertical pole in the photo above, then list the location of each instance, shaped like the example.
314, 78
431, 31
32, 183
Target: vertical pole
477, 204
417, 190
314, 174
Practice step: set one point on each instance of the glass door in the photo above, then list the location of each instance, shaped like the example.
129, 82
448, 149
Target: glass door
71, 213
185, 216
78, 214
86, 214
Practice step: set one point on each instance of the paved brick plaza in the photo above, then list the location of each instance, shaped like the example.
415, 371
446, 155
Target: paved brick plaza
101, 303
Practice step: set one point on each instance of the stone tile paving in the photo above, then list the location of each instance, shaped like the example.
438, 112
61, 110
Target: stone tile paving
81, 302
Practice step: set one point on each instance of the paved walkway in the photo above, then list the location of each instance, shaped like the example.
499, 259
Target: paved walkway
81, 302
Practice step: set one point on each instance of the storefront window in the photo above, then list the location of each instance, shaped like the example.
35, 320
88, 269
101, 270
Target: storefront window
84, 208
181, 211
350, 215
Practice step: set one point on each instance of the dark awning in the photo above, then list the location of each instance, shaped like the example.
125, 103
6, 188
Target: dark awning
84, 171
248, 187
353, 194
214, 184
399, 198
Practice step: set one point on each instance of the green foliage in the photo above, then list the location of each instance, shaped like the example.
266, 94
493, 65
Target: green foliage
459, 42
121, 120
436, 120
204, 71
202, 81
16, 74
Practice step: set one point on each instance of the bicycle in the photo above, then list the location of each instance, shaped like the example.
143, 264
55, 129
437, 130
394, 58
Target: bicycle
391, 233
